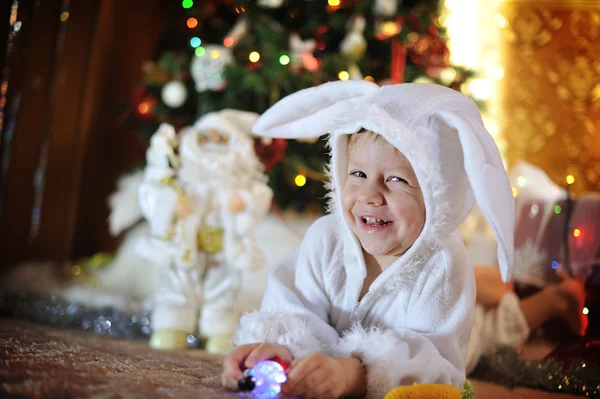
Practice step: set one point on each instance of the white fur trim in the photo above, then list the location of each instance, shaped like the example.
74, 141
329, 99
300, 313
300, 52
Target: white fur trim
383, 352
291, 331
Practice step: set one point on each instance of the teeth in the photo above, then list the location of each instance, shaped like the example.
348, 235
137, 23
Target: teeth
373, 221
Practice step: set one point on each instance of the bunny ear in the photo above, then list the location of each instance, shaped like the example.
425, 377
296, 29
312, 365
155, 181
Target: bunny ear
489, 182
312, 112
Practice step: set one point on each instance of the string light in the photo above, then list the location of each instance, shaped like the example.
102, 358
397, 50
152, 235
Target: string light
570, 179
187, 3
254, 56
343, 75
334, 3
577, 233
555, 265
76, 270
200, 51
284, 60
143, 108
214, 54
515, 192
195, 42
300, 180
521, 181
228, 41
64, 16
585, 311
192, 22
557, 209
369, 79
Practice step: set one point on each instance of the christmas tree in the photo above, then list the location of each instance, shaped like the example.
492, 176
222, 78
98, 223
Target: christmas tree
246, 55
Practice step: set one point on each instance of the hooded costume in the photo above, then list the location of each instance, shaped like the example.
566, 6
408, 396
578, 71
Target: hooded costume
414, 322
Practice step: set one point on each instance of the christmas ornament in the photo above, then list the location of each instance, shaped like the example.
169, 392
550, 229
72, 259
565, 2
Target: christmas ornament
385, 8
207, 68
174, 94
302, 52
431, 52
270, 3
271, 153
220, 343
265, 378
354, 46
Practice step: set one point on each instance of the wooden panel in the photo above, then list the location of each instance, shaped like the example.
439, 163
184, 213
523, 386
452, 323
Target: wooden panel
32, 79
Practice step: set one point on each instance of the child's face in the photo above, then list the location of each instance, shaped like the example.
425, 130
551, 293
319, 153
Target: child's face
381, 200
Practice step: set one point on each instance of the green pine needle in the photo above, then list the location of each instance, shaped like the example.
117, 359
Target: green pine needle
469, 390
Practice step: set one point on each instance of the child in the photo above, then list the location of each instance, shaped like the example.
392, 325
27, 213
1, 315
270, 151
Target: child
380, 292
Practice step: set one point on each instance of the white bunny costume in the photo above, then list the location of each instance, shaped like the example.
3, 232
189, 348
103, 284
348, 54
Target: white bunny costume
414, 323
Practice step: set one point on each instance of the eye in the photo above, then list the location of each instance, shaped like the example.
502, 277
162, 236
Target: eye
358, 173
397, 179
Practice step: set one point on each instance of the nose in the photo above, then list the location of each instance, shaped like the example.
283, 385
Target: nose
371, 196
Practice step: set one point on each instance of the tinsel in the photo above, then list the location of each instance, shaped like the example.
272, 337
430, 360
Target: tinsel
505, 366
58, 312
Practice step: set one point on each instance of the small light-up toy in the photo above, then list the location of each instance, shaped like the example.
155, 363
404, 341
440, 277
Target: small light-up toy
265, 378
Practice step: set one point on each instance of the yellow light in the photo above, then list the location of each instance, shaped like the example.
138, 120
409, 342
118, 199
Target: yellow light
343, 75
192, 23
570, 179
521, 181
369, 79
333, 3
390, 28
577, 232
254, 56
64, 16
585, 311
515, 192
214, 54
300, 180
76, 270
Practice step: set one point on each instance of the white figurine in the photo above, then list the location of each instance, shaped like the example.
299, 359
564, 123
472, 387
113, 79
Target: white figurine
202, 206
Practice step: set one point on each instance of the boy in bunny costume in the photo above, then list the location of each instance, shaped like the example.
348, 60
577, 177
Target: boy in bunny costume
202, 204
380, 292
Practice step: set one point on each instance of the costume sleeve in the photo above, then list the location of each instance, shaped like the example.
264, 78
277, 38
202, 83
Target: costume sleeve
295, 308
430, 343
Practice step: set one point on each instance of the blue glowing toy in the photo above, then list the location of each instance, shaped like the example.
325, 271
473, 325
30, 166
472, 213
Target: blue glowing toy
265, 378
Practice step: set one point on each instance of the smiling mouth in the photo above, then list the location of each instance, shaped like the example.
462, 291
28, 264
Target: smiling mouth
374, 222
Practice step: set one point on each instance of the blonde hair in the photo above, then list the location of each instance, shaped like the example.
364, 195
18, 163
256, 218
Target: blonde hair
369, 136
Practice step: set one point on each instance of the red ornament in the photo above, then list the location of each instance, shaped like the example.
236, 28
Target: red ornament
270, 155
430, 52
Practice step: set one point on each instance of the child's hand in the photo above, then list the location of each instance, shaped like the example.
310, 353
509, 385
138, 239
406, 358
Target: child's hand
320, 376
245, 357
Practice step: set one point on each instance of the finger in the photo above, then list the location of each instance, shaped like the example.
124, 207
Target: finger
321, 390
306, 386
298, 374
229, 383
233, 363
265, 352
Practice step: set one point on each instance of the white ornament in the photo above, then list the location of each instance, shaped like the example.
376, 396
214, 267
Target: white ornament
270, 3
354, 44
302, 52
207, 69
174, 94
385, 8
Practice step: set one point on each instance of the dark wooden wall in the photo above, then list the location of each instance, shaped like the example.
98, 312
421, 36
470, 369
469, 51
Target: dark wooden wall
69, 77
